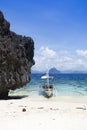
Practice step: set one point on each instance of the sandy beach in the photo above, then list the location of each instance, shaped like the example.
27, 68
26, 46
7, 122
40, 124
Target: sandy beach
39, 113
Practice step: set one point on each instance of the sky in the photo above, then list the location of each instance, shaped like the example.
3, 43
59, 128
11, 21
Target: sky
58, 28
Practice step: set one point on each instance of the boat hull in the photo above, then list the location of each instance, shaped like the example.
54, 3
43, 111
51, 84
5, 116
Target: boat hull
48, 90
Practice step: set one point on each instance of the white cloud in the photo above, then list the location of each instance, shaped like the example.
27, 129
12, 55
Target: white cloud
44, 58
62, 60
81, 53
45, 51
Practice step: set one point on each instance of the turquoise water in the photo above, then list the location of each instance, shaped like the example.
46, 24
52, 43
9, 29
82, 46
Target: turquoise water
65, 84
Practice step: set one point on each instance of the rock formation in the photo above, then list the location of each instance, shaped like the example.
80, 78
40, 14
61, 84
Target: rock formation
16, 58
54, 71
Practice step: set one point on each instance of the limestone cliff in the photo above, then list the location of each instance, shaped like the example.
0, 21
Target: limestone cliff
16, 58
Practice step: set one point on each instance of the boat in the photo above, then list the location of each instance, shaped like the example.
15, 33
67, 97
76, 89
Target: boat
47, 88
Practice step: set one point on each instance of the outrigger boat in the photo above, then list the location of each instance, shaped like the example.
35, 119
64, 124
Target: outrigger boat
48, 88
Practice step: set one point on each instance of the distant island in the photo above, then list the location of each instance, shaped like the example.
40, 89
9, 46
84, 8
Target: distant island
54, 71
51, 71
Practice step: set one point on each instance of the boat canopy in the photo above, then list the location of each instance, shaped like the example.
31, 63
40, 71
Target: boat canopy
46, 77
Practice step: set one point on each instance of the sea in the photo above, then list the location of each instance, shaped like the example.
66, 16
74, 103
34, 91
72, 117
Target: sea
65, 85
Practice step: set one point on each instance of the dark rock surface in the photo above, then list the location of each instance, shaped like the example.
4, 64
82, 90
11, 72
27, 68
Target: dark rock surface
16, 58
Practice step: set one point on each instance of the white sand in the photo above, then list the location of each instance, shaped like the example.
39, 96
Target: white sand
61, 113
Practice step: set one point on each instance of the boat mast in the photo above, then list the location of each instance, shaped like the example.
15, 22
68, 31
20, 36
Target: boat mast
48, 78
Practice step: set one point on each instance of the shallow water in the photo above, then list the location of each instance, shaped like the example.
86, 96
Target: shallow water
65, 84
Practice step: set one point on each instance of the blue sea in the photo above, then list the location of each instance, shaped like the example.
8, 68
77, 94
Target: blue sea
65, 85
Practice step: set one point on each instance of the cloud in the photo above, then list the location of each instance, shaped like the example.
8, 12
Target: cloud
62, 60
82, 53
46, 52
44, 58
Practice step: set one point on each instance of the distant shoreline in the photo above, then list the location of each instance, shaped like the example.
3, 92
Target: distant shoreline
59, 73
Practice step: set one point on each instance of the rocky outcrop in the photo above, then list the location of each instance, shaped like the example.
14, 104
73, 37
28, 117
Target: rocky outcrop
54, 71
16, 58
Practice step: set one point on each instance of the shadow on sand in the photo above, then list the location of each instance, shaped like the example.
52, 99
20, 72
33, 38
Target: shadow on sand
13, 97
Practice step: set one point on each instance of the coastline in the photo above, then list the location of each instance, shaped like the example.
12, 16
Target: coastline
64, 112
